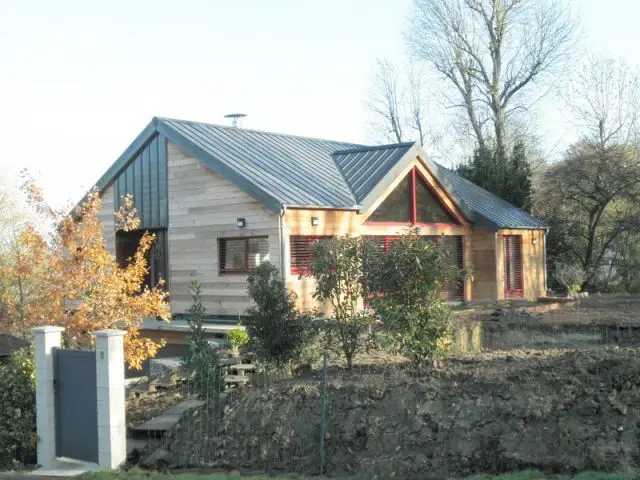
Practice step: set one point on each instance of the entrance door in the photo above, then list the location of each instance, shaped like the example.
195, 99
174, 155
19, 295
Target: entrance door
513, 284
76, 405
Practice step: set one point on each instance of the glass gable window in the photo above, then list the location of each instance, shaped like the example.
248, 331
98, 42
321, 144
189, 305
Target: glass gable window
428, 207
412, 201
397, 206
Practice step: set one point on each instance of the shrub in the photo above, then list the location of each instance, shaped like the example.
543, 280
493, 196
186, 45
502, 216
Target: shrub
337, 269
278, 333
201, 359
570, 276
237, 338
18, 437
406, 283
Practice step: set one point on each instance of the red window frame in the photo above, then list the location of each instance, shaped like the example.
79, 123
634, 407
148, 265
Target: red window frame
513, 277
300, 251
414, 176
222, 252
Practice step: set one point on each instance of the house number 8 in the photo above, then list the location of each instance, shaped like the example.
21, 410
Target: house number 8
101, 355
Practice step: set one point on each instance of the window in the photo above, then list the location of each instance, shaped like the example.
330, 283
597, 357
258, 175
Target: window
242, 254
301, 247
428, 207
412, 201
513, 266
455, 248
396, 207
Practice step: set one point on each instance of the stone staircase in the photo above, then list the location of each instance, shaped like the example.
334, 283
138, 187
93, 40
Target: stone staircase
166, 373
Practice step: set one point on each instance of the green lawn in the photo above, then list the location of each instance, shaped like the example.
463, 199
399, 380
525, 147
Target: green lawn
535, 475
136, 474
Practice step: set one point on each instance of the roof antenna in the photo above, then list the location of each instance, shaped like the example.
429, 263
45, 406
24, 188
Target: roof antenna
235, 117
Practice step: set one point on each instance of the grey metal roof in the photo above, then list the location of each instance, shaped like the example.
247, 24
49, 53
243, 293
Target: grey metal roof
287, 170
293, 170
480, 206
364, 167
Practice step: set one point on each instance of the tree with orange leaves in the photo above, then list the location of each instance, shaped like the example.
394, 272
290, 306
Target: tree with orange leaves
80, 285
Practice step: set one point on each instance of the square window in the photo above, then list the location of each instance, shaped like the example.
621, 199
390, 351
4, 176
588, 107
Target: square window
241, 255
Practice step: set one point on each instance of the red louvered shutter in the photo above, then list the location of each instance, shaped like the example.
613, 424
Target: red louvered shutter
455, 244
513, 275
301, 251
454, 292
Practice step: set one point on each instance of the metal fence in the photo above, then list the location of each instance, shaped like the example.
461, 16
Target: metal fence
387, 419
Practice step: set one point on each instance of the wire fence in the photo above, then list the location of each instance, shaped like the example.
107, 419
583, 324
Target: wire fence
387, 419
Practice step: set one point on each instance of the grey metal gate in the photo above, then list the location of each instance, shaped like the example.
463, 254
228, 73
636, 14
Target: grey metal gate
76, 405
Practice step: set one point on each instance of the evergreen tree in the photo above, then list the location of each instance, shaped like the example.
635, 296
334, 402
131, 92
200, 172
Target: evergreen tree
506, 175
201, 360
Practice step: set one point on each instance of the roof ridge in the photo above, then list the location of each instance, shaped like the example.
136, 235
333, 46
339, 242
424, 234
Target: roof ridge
368, 148
264, 132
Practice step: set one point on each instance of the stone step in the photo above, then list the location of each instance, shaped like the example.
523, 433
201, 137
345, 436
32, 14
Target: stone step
236, 379
243, 367
168, 418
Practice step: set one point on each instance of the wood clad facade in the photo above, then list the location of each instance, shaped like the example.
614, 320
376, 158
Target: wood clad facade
203, 207
533, 263
107, 217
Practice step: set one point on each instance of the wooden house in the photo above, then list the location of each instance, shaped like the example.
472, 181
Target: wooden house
222, 200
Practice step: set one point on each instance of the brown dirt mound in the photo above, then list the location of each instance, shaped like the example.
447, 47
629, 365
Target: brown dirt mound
557, 411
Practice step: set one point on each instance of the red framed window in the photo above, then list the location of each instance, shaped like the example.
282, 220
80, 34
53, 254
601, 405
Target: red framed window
513, 279
455, 246
301, 251
242, 254
412, 202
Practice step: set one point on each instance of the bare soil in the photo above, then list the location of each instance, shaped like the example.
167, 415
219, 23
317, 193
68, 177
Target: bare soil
617, 310
620, 310
557, 411
570, 404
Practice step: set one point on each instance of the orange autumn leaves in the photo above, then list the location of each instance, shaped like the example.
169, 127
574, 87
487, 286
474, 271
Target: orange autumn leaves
74, 281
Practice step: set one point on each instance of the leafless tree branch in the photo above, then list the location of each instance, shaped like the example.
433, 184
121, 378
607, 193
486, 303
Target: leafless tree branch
491, 50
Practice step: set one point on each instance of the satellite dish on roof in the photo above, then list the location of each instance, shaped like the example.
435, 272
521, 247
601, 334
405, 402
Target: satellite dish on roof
235, 117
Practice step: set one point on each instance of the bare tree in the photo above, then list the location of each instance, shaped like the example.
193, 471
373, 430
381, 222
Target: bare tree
399, 105
592, 197
490, 52
604, 99
387, 101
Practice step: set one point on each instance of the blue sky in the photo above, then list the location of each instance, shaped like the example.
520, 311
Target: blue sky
79, 79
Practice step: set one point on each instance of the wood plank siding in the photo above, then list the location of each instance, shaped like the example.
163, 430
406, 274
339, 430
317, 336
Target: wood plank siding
203, 207
107, 218
483, 259
533, 263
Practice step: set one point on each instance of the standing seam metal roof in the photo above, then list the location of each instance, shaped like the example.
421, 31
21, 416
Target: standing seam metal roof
287, 170
363, 168
294, 170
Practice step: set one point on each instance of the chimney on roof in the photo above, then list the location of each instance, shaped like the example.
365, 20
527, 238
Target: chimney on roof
235, 117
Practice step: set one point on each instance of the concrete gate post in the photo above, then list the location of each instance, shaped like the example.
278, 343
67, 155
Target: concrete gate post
112, 442
47, 339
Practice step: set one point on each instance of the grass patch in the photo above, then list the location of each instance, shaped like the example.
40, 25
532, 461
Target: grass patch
138, 474
535, 475
523, 475
606, 476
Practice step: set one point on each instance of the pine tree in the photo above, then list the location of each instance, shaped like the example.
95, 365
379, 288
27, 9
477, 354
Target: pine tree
506, 175
201, 360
